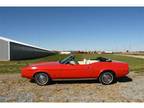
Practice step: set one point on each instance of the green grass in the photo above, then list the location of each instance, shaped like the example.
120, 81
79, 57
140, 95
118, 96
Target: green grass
136, 64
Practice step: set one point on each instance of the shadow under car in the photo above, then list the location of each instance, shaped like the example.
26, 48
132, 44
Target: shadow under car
120, 80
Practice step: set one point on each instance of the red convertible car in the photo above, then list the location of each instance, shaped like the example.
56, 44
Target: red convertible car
105, 70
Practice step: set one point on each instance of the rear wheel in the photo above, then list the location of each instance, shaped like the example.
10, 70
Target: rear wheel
107, 78
42, 79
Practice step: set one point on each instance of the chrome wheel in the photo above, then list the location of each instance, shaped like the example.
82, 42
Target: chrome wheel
41, 79
106, 78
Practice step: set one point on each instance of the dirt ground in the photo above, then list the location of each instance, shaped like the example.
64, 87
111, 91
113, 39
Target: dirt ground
13, 88
135, 56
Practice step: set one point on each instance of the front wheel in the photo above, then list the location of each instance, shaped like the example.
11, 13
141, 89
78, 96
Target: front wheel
41, 79
107, 78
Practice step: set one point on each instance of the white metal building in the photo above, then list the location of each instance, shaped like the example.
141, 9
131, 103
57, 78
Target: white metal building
65, 52
14, 50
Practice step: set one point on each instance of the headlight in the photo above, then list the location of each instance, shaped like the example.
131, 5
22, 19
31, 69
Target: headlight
33, 68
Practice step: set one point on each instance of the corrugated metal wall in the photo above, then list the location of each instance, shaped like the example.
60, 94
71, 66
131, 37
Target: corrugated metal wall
18, 52
3, 50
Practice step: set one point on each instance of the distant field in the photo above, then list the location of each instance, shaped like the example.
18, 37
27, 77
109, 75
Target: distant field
142, 54
136, 64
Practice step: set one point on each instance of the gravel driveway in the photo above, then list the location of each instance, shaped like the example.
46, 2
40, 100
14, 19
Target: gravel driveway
13, 88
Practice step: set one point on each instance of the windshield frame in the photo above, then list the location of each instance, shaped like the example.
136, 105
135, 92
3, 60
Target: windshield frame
67, 59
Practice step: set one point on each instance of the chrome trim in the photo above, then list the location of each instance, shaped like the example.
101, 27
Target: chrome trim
74, 79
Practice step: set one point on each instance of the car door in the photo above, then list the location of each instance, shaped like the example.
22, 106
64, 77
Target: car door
70, 71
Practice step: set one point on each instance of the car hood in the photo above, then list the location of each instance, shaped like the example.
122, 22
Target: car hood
45, 64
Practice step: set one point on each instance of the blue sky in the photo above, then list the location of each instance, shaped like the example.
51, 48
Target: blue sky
92, 28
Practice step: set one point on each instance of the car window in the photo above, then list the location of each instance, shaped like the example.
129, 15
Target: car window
67, 60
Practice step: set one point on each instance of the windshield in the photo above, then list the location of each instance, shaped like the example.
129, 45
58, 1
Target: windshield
67, 59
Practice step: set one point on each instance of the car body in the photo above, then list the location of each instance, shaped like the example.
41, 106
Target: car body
69, 68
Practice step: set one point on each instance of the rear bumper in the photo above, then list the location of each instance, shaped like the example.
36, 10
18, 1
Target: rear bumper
124, 72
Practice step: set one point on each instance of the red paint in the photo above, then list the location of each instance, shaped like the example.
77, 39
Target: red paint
68, 71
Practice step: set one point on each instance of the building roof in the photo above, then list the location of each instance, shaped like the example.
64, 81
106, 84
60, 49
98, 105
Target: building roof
10, 40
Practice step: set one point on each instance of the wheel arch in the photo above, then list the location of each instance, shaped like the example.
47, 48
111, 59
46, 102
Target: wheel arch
41, 72
107, 70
